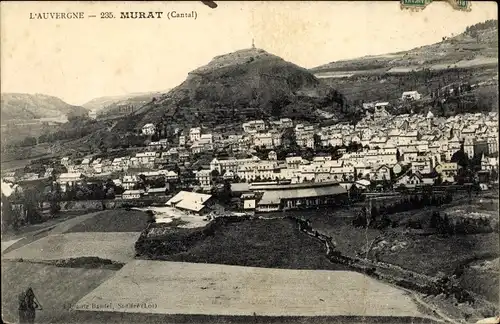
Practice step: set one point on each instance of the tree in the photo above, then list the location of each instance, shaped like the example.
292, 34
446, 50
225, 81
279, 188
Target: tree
361, 219
354, 192
460, 157
177, 169
317, 142
374, 214
119, 190
110, 193
226, 192
80, 194
494, 174
308, 153
55, 198
289, 139
9, 218
215, 173
30, 206
28, 141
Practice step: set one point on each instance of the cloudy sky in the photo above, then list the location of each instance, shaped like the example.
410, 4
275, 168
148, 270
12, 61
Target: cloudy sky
78, 60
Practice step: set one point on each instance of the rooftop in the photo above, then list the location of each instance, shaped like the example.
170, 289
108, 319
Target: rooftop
189, 200
275, 196
274, 186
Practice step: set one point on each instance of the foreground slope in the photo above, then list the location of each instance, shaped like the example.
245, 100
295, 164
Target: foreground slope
56, 288
212, 289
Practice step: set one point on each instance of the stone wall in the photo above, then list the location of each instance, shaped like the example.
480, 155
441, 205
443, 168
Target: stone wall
392, 273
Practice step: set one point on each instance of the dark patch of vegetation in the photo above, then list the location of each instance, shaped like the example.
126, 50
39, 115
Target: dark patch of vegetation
237, 241
377, 217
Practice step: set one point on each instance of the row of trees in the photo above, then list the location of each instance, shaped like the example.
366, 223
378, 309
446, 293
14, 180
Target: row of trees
22, 208
452, 91
144, 182
26, 207
377, 217
474, 29
446, 226
94, 191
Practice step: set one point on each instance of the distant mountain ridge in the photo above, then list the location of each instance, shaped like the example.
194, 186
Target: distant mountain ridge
25, 107
101, 103
477, 45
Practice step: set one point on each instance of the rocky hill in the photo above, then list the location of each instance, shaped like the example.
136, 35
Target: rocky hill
21, 107
239, 86
476, 46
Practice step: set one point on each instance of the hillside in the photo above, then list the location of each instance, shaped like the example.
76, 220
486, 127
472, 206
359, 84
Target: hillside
239, 86
22, 107
103, 103
477, 46
25, 107
468, 58
127, 104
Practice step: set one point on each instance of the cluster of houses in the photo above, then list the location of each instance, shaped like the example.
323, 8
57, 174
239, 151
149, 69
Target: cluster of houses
372, 165
418, 143
407, 150
408, 133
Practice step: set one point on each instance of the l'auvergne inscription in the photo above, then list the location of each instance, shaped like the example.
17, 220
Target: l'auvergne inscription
137, 15
57, 15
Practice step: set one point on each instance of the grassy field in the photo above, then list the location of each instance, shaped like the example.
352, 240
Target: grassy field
112, 246
57, 289
116, 220
433, 254
428, 254
108, 234
35, 232
212, 289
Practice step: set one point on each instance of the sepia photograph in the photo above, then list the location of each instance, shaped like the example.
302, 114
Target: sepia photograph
249, 162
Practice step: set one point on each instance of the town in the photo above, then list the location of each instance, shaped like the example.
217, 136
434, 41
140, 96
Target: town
380, 153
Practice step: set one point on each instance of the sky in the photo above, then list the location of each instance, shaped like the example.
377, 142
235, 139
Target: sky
78, 60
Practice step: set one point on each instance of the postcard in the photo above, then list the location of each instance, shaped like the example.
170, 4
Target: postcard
249, 162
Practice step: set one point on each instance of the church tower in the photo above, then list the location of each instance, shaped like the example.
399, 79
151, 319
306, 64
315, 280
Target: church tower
430, 120
253, 43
